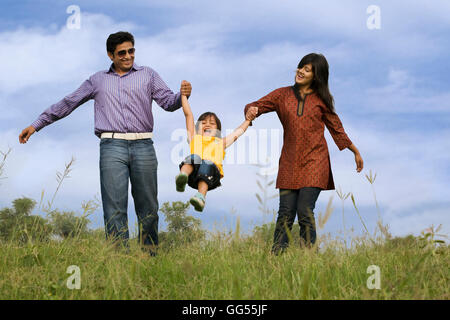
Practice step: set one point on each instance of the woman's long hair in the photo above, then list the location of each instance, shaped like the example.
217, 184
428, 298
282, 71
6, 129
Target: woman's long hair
320, 82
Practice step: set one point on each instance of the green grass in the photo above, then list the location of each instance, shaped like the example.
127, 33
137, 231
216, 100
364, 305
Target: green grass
223, 267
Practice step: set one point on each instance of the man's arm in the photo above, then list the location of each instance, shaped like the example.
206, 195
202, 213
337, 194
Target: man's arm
165, 97
59, 110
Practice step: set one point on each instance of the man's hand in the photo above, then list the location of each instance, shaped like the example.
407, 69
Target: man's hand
186, 88
251, 113
26, 133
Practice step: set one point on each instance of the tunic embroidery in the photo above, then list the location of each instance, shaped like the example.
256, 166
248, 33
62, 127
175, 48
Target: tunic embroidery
301, 103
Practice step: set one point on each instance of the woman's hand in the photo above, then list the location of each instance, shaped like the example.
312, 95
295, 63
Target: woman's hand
358, 159
359, 162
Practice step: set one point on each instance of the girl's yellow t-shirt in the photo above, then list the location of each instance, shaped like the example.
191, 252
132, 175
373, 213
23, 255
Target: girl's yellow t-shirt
209, 148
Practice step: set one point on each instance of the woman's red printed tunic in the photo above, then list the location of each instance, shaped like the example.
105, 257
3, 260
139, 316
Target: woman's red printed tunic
304, 161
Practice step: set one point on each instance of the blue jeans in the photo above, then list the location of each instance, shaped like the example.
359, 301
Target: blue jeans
299, 202
203, 170
122, 161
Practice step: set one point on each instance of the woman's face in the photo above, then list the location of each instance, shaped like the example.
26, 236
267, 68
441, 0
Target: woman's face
304, 75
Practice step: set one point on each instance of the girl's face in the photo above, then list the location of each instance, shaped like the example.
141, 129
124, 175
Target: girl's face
304, 75
208, 127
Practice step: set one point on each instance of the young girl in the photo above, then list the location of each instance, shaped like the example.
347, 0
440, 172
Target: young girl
202, 169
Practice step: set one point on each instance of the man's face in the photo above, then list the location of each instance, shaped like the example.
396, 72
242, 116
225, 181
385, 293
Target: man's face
123, 57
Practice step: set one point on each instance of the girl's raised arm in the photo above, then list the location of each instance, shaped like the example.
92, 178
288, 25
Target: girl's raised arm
190, 127
239, 131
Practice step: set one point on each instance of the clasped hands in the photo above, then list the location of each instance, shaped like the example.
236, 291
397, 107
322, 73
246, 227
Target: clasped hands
251, 114
186, 89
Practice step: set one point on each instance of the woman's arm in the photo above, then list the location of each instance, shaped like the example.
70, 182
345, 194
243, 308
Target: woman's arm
334, 126
239, 131
268, 103
358, 159
190, 127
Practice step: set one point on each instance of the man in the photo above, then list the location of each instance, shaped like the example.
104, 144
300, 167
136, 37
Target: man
123, 98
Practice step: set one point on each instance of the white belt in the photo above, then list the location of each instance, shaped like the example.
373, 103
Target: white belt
127, 136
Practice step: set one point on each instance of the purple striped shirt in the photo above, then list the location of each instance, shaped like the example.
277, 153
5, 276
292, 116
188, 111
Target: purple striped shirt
122, 103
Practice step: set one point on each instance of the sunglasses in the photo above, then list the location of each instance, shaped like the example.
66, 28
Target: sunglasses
122, 53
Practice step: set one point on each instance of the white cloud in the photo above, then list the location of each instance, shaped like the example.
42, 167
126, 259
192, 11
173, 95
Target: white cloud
39, 57
402, 93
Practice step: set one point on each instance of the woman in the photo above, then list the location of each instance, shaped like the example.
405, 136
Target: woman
304, 110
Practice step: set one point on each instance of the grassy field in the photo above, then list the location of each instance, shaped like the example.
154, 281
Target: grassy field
225, 266
222, 265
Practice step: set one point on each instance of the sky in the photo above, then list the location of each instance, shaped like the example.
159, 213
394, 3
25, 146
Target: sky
389, 75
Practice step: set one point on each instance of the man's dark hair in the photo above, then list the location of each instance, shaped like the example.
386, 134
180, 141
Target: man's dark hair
117, 38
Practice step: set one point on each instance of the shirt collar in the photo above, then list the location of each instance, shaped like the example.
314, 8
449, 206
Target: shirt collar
134, 67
